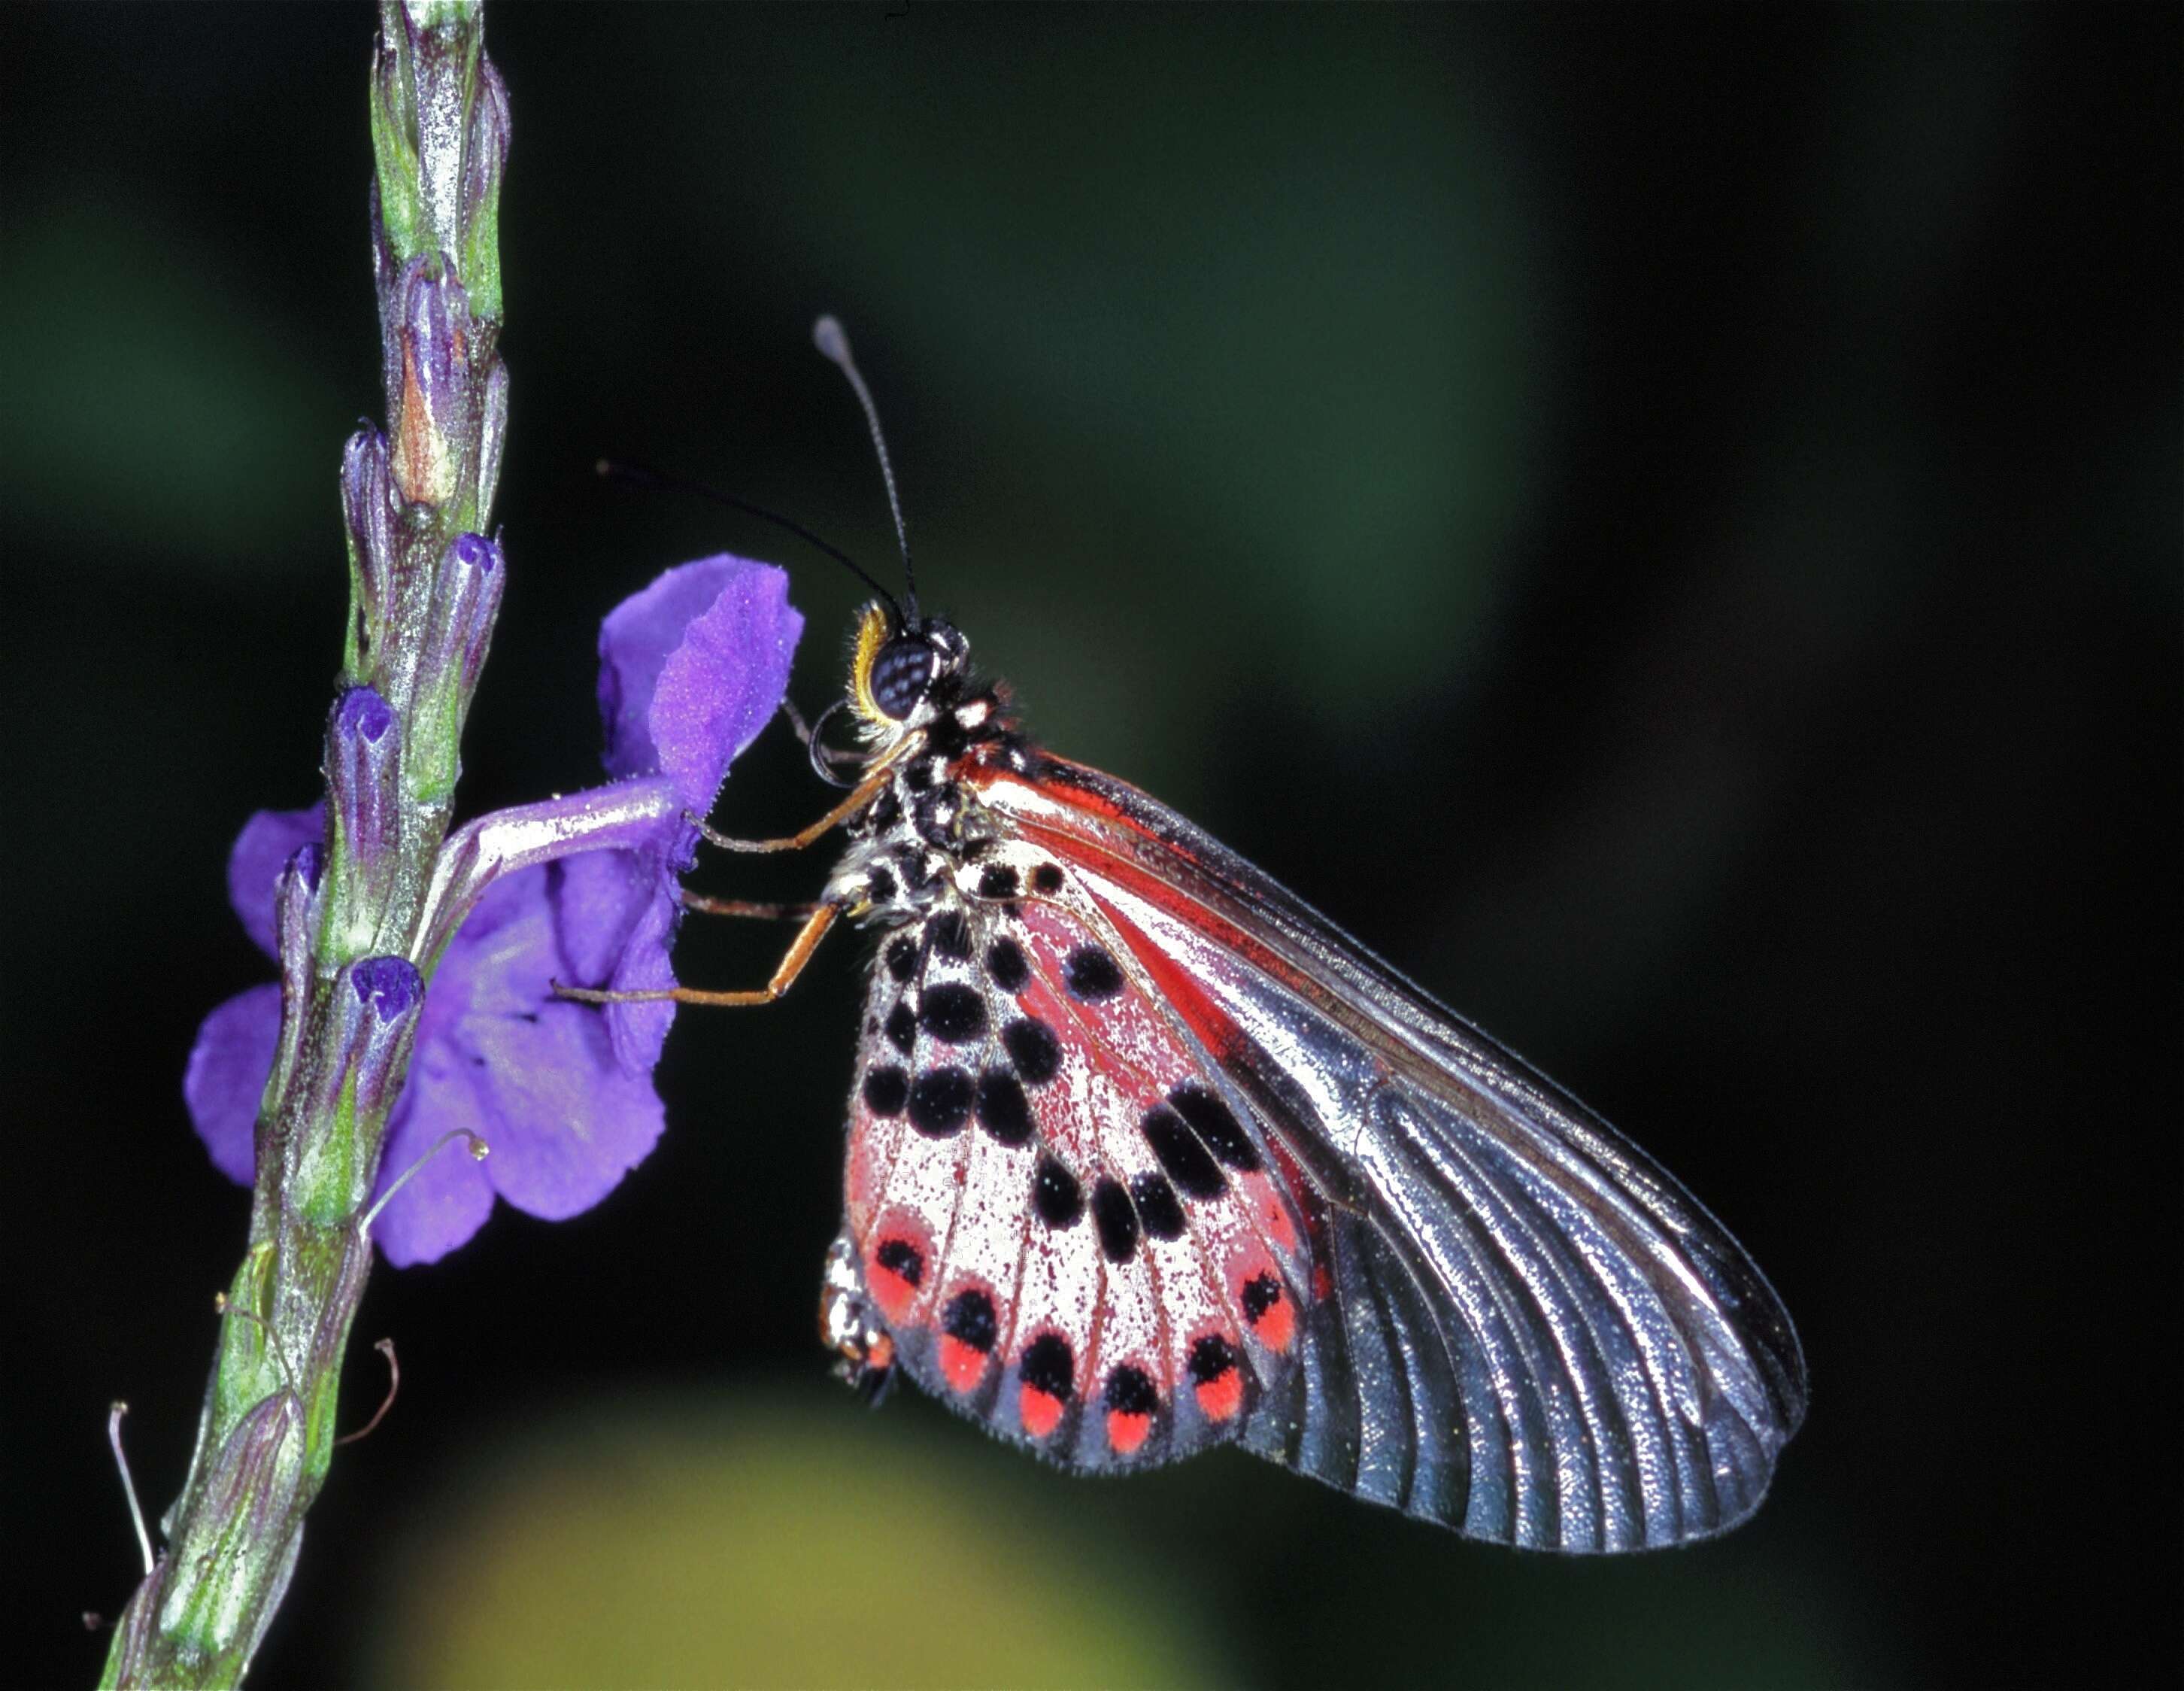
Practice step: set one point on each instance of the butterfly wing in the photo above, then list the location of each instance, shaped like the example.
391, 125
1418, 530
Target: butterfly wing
1503, 1316
1055, 1250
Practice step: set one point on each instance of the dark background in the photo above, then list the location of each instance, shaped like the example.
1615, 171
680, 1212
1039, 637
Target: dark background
1665, 524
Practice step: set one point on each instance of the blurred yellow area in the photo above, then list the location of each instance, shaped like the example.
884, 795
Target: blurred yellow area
791, 1539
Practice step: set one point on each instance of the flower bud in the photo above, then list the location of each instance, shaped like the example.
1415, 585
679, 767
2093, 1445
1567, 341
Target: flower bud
464, 607
367, 496
295, 917
364, 816
465, 599
432, 390
354, 1057
485, 157
378, 1002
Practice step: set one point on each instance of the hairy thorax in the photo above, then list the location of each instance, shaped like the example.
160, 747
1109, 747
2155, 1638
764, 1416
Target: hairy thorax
925, 844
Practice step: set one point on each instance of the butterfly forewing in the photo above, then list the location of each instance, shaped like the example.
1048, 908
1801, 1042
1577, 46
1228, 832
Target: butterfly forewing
1510, 1320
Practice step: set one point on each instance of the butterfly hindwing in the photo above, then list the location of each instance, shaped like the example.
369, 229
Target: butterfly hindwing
1077, 1241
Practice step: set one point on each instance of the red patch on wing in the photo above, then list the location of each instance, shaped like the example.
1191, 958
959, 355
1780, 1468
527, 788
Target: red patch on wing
1322, 1283
892, 1275
1220, 1399
1039, 1411
964, 1365
1279, 1226
1266, 1309
1125, 1432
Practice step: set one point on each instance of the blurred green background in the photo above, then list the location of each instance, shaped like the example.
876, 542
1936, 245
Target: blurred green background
1666, 524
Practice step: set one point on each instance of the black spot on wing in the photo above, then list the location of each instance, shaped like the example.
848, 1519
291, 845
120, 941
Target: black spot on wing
997, 880
1180, 1153
887, 1090
950, 934
1216, 1123
1032, 1048
1048, 1365
1090, 974
901, 1258
1047, 878
940, 1102
1003, 1110
1130, 1392
901, 956
969, 1318
952, 1012
1117, 1219
1056, 1194
1157, 1206
1005, 961
1211, 1358
902, 1028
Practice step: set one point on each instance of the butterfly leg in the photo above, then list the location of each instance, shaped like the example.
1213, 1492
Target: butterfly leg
862, 795
796, 720
742, 907
784, 975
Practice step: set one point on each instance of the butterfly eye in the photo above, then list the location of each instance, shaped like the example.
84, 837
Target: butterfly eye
901, 675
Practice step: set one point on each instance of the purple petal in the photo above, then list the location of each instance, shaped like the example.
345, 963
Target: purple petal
497, 965
536, 1078
690, 669
450, 1196
615, 914
570, 1121
565, 1121
267, 841
227, 1077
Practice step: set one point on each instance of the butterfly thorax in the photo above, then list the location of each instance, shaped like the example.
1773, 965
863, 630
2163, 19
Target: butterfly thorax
923, 846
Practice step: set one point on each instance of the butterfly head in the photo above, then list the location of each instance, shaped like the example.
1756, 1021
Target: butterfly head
905, 672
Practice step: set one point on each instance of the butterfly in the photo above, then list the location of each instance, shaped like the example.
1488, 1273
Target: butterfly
1145, 1156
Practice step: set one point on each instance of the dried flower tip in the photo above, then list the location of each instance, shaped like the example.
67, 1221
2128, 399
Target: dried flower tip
430, 384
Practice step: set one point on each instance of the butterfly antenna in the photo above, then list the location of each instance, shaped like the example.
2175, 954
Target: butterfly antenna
827, 335
642, 475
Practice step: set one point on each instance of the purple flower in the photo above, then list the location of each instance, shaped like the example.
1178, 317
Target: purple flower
691, 668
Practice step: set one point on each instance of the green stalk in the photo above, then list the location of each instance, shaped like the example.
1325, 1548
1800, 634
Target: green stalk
353, 924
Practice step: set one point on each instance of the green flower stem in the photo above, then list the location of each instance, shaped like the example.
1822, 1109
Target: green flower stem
351, 933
